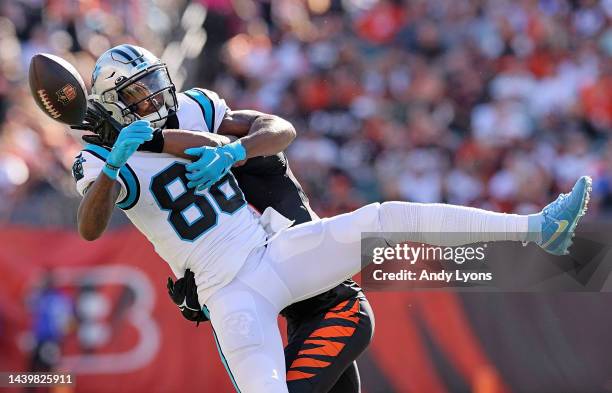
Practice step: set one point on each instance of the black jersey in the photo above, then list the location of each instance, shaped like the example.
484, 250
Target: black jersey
269, 182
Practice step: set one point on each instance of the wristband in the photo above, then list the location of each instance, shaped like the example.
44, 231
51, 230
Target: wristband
236, 149
155, 145
111, 171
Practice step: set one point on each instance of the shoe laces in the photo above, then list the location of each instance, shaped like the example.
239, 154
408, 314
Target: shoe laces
556, 206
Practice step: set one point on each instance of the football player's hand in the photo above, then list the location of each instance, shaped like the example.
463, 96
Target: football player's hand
99, 121
184, 293
213, 163
128, 141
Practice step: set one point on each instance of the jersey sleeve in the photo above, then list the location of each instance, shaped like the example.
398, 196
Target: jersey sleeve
88, 165
212, 106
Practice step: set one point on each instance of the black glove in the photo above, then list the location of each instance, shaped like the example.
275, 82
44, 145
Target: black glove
106, 129
99, 121
184, 294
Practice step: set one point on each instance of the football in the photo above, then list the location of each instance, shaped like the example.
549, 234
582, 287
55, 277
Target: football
58, 88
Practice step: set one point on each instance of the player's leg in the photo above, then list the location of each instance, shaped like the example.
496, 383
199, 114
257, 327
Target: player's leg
313, 257
349, 381
248, 339
321, 350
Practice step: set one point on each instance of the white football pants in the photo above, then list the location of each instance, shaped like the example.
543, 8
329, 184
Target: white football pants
313, 257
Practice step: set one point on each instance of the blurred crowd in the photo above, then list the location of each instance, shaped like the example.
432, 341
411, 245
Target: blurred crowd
36, 153
491, 103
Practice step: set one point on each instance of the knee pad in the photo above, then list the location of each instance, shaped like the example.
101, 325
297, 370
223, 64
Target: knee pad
348, 227
237, 324
243, 331
401, 221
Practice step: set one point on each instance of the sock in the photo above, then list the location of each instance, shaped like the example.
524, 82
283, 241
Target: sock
449, 225
534, 231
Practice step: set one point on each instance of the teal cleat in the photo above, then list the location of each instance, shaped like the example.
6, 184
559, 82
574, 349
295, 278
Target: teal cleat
560, 217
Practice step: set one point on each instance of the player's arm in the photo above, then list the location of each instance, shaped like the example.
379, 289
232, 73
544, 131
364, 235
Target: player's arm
96, 207
100, 196
175, 142
259, 133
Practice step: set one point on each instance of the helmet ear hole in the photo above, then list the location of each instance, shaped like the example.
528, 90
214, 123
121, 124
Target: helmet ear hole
111, 96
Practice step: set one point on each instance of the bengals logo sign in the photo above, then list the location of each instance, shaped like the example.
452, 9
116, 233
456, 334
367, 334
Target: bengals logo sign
115, 331
66, 94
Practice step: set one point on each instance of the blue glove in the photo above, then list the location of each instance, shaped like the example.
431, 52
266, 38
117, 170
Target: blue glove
213, 164
126, 144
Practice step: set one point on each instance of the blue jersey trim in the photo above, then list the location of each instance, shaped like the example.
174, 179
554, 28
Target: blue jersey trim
206, 106
125, 173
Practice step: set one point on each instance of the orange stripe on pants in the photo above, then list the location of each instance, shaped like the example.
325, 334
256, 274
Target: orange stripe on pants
293, 375
309, 362
333, 331
327, 348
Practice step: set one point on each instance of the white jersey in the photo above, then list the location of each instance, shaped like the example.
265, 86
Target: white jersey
210, 232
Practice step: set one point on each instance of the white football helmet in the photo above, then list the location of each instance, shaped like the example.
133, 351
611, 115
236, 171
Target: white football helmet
133, 84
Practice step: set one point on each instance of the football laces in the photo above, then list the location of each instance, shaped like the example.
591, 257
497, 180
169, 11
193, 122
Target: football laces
44, 98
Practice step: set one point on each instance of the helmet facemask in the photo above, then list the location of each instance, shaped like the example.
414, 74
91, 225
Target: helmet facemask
149, 95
